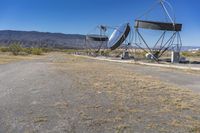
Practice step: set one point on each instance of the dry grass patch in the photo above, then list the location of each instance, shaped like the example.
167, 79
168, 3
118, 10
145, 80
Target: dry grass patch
40, 119
7, 58
142, 103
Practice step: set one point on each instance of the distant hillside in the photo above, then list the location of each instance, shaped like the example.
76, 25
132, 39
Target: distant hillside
41, 39
189, 48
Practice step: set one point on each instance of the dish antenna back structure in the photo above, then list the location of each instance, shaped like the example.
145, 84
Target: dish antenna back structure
114, 41
97, 39
163, 44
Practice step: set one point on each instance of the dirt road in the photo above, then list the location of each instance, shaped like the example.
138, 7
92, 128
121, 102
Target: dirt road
63, 93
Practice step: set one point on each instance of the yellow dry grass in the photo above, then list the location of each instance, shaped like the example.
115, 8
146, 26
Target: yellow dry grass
7, 58
40, 119
134, 98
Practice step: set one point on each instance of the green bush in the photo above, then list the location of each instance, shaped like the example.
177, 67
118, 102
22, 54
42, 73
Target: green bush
105, 52
4, 49
27, 50
23, 53
71, 51
36, 51
15, 49
46, 50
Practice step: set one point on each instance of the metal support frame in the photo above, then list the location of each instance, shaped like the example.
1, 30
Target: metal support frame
172, 26
163, 47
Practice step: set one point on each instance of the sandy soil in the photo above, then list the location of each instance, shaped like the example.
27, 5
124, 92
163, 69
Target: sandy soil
64, 93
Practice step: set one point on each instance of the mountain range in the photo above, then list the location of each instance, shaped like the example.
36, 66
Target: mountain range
42, 39
51, 40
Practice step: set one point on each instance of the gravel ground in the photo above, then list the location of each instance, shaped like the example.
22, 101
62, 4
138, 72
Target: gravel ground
63, 93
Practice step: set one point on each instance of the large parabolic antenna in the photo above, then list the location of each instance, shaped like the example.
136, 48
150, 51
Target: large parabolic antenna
119, 36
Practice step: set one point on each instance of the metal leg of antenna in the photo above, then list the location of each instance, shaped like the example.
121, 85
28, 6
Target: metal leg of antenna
161, 37
171, 41
144, 41
168, 41
151, 52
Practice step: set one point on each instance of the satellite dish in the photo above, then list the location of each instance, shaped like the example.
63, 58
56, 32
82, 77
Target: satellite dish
118, 36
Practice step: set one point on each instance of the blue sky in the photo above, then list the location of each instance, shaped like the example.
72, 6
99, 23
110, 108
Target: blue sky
80, 16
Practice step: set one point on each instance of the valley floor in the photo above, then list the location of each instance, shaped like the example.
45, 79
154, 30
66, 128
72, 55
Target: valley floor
65, 93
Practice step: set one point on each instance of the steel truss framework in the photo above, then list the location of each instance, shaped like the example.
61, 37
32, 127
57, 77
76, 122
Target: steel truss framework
174, 42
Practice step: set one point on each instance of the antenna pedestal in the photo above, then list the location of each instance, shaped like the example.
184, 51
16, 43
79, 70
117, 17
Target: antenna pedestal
125, 55
175, 57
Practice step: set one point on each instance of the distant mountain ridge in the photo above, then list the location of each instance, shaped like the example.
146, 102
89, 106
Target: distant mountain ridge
42, 39
51, 40
188, 48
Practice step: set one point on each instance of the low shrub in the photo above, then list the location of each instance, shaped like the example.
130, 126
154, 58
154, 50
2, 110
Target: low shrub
27, 50
105, 53
46, 50
15, 49
23, 53
36, 51
4, 49
71, 51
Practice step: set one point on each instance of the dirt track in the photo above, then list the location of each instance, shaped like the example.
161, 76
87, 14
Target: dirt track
63, 93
